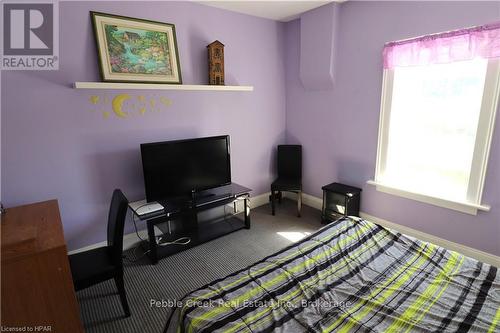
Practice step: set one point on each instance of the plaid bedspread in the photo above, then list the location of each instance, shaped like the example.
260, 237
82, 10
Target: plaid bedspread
350, 276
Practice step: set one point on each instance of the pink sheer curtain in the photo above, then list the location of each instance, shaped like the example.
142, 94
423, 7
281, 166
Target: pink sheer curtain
458, 45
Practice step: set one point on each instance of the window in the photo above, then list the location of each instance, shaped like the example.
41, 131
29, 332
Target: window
436, 127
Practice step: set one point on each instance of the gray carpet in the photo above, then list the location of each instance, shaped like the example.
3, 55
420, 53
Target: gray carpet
177, 275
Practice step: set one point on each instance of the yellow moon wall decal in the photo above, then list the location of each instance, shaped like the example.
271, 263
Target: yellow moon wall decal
117, 105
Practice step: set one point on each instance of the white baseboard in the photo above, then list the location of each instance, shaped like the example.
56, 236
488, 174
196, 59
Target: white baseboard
468, 251
485, 257
131, 240
307, 199
256, 201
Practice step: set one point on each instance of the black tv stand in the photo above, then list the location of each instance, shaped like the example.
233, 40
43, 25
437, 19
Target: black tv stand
201, 194
209, 199
184, 214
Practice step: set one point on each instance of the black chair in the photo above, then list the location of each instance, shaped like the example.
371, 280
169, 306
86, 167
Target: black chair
289, 175
94, 266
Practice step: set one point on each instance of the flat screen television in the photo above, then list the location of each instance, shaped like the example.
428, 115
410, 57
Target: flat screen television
176, 168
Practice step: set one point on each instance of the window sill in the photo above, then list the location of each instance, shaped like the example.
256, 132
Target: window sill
464, 207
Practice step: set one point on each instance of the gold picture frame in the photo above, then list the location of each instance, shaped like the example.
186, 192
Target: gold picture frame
136, 50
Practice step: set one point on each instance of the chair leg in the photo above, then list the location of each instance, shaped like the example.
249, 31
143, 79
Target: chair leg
299, 203
272, 202
280, 195
121, 290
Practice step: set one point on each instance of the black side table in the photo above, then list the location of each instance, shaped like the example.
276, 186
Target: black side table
339, 200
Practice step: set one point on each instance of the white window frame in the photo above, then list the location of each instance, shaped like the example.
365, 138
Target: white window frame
481, 153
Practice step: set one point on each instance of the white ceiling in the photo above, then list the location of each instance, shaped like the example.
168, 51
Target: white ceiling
271, 9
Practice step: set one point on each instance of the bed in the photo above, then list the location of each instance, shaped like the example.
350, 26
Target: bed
350, 276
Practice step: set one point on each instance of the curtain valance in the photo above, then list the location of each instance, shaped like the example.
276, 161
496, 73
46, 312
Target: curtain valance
459, 45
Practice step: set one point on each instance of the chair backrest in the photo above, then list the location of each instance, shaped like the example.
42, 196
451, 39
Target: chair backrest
116, 222
290, 161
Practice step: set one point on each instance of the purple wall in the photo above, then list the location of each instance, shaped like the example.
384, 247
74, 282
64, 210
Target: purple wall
338, 128
57, 144
317, 68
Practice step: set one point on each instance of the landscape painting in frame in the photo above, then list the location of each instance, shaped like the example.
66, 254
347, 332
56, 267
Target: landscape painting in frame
136, 50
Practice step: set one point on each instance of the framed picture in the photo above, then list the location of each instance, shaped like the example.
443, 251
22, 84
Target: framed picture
136, 50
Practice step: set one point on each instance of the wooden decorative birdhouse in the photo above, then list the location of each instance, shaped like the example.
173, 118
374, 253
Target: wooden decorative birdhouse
216, 63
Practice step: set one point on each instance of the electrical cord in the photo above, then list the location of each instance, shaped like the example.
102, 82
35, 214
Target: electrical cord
135, 224
134, 252
178, 241
134, 220
158, 239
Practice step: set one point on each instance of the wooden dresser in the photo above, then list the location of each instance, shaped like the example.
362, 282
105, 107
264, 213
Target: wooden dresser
37, 288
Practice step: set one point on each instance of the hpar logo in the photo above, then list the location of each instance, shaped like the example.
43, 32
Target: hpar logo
30, 32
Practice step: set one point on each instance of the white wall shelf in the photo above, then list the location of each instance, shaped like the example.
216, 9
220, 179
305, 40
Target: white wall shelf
156, 86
